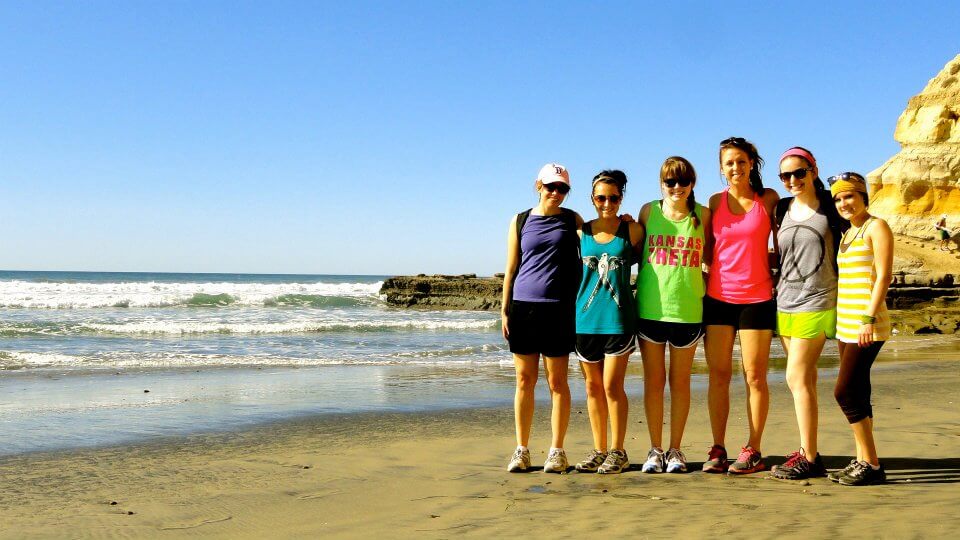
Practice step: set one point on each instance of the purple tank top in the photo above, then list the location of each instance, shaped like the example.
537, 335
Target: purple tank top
549, 261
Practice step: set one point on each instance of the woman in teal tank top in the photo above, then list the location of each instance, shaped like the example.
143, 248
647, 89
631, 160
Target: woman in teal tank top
670, 289
605, 320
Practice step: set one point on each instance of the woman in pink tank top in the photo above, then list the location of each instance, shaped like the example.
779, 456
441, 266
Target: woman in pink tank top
739, 300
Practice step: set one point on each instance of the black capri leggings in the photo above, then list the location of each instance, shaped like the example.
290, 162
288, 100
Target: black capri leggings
853, 382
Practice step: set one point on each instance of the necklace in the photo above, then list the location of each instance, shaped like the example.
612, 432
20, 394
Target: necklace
859, 233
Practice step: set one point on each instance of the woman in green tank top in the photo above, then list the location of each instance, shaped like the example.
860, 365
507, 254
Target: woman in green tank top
670, 289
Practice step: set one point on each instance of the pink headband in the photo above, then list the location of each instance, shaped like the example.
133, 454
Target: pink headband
800, 152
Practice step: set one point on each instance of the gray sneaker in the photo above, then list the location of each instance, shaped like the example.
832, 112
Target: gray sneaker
520, 461
556, 462
835, 475
615, 463
676, 461
592, 462
655, 461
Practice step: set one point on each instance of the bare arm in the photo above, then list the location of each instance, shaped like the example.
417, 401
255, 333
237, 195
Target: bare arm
713, 204
770, 199
637, 244
880, 237
706, 219
509, 275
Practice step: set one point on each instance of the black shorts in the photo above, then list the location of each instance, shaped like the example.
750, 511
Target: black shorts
758, 316
679, 335
594, 347
547, 328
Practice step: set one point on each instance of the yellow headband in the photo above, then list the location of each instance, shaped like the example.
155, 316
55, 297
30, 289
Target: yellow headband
847, 185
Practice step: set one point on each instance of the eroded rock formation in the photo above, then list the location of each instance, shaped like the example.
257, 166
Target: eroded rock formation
447, 292
921, 182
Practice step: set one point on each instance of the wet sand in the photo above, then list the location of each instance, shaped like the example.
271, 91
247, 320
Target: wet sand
442, 474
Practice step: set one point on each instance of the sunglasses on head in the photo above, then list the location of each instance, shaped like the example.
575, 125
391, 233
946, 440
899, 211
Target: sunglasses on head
733, 140
845, 176
563, 189
798, 174
672, 182
614, 199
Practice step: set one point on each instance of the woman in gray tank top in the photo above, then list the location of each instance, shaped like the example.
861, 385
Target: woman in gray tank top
806, 297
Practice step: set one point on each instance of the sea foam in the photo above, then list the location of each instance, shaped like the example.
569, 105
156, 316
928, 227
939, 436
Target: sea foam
77, 295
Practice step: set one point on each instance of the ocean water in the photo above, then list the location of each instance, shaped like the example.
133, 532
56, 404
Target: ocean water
90, 359
98, 358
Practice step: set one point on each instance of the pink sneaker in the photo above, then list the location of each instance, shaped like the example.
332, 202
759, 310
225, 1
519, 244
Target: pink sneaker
749, 461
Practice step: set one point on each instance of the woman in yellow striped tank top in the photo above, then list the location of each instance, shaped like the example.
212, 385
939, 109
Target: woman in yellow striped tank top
865, 262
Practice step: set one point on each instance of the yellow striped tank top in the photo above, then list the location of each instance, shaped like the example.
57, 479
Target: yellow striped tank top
855, 282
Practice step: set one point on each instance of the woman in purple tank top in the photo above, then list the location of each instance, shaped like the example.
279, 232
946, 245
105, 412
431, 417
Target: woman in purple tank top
538, 319
739, 300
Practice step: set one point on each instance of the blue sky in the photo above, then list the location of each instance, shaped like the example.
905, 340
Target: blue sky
400, 137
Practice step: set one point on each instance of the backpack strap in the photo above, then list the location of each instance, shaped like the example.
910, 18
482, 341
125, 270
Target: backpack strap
783, 205
521, 221
837, 224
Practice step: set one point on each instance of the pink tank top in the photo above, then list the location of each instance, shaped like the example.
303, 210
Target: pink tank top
740, 273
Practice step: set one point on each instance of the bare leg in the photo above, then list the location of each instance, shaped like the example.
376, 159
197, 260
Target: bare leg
614, 370
755, 354
557, 368
866, 446
681, 361
596, 402
802, 359
527, 368
654, 378
718, 347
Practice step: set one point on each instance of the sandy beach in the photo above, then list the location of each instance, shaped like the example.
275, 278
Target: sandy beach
442, 475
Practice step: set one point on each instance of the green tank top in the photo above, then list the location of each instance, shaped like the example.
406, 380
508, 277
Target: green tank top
670, 284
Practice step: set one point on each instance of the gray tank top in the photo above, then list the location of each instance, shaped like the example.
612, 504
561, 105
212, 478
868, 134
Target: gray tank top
808, 277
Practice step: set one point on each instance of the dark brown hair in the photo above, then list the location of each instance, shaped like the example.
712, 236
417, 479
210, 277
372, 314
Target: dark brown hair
756, 181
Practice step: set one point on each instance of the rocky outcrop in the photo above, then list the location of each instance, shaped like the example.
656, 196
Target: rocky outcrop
921, 182
446, 292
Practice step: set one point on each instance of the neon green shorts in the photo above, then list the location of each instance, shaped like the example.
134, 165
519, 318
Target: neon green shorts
807, 325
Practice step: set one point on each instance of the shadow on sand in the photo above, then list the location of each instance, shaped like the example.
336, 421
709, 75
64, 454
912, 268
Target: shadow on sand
910, 470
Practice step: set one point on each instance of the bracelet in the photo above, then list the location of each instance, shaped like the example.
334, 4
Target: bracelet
867, 319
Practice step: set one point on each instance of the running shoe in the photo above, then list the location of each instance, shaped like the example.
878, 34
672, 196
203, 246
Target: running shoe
717, 461
592, 462
863, 475
556, 461
520, 461
798, 467
615, 463
655, 461
749, 461
835, 475
676, 461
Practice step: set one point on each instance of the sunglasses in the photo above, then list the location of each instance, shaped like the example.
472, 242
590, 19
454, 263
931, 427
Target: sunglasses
733, 140
798, 174
563, 189
614, 199
846, 176
672, 182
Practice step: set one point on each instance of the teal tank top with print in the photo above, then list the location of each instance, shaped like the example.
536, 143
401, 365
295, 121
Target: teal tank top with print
605, 302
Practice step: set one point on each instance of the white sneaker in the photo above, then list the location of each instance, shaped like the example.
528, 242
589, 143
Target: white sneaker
676, 461
654, 463
520, 461
556, 462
